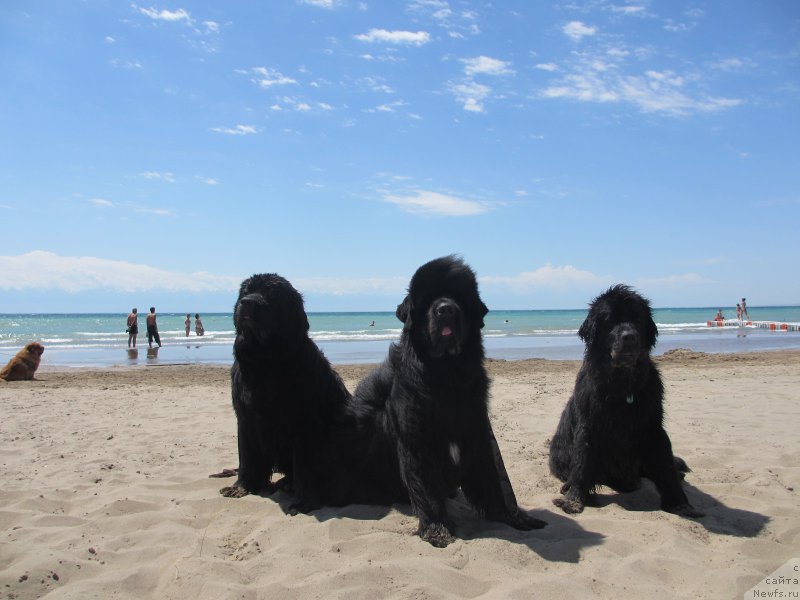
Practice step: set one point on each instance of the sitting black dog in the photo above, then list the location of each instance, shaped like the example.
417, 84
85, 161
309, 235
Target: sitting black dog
285, 394
611, 431
419, 425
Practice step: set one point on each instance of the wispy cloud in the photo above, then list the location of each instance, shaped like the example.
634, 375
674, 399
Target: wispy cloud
129, 65
577, 30
351, 286
101, 203
329, 4
41, 270
734, 64
159, 212
471, 94
413, 38
156, 176
485, 65
594, 79
457, 23
429, 203
267, 78
628, 9
237, 130
673, 281
388, 107
165, 15
548, 276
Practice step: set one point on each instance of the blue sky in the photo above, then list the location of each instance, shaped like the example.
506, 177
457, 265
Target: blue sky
158, 153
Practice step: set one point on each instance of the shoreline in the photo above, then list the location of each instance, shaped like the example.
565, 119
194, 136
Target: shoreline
672, 356
373, 352
106, 494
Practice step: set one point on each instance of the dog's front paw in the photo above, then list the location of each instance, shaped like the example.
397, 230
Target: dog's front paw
569, 504
685, 510
522, 520
437, 534
237, 490
240, 489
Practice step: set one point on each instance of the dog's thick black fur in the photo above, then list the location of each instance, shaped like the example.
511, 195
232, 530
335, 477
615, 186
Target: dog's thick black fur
611, 431
285, 394
418, 424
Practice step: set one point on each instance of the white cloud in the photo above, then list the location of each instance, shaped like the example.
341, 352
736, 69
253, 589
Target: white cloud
388, 107
547, 276
238, 130
160, 212
485, 65
550, 67
576, 30
329, 4
472, 94
417, 38
110, 40
130, 65
438, 9
165, 15
155, 176
734, 64
269, 77
628, 10
434, 204
652, 92
40, 270
673, 281
100, 202
351, 286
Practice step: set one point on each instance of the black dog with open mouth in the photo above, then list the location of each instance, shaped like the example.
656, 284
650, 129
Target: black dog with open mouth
418, 424
611, 431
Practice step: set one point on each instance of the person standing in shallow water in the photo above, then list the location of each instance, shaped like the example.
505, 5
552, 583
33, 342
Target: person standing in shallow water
187, 324
152, 328
198, 325
132, 328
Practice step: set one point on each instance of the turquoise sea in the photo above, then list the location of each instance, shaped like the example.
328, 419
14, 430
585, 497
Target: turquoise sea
80, 340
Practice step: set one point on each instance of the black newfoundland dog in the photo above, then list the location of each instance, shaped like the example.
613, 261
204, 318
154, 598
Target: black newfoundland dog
611, 431
418, 424
285, 394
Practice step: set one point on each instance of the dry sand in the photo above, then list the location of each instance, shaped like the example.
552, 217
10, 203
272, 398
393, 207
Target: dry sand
105, 494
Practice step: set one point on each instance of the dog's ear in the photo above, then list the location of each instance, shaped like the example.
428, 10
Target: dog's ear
404, 309
651, 333
484, 310
587, 330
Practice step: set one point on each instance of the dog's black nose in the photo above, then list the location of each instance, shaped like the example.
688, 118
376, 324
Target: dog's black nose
630, 337
445, 308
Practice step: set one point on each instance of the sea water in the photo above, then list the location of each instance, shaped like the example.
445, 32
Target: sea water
77, 340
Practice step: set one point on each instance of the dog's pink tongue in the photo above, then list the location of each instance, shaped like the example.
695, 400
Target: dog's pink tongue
446, 331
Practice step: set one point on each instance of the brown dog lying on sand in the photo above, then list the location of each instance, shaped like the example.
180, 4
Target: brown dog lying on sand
24, 364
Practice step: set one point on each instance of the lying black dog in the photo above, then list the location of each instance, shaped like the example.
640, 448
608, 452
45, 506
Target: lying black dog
419, 425
285, 394
611, 431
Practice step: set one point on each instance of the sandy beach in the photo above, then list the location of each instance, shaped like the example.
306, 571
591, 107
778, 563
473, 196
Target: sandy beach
105, 494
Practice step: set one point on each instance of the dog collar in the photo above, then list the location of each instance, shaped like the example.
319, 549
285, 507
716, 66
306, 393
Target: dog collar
629, 399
